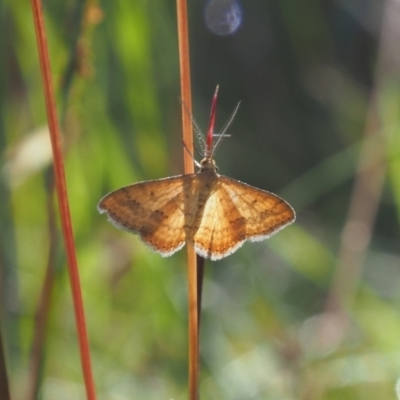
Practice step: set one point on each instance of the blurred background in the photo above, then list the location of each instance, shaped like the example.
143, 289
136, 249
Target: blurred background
313, 312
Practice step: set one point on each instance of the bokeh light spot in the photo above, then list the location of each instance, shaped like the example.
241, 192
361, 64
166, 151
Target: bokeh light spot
223, 17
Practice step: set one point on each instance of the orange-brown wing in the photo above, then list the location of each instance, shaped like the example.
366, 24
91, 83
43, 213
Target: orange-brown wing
236, 212
153, 209
265, 213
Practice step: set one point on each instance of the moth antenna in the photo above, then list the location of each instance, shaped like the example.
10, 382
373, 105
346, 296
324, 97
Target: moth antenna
197, 130
200, 139
200, 153
225, 128
198, 165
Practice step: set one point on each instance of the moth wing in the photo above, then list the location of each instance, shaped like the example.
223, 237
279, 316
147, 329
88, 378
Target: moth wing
236, 212
152, 209
265, 213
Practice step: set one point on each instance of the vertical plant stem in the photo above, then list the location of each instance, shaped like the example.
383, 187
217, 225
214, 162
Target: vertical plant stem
43, 310
4, 389
186, 94
61, 188
200, 278
184, 63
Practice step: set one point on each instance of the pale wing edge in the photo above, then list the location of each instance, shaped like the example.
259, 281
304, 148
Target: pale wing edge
259, 238
214, 257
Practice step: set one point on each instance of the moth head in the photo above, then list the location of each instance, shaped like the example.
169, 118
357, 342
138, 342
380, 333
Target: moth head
208, 164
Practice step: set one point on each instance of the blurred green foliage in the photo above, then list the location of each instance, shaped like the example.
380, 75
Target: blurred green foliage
305, 73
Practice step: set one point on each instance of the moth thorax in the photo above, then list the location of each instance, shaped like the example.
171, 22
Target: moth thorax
207, 164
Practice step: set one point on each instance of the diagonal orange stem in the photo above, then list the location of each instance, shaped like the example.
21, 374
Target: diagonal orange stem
184, 62
61, 189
